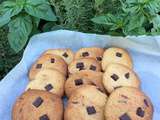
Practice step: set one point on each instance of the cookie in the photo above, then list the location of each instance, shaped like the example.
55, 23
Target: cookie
81, 78
116, 55
91, 52
84, 64
128, 103
117, 75
91, 93
83, 109
66, 54
48, 80
38, 105
48, 61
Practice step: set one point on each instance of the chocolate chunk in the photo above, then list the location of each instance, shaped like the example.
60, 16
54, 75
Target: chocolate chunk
91, 110
115, 77
38, 66
80, 66
48, 87
38, 102
119, 54
65, 55
52, 60
44, 117
117, 87
146, 103
99, 58
140, 112
127, 75
85, 54
124, 117
92, 67
78, 82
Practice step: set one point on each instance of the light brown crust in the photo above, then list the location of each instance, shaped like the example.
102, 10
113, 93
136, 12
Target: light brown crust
87, 78
93, 52
126, 77
66, 54
111, 56
45, 60
24, 109
128, 101
52, 78
87, 62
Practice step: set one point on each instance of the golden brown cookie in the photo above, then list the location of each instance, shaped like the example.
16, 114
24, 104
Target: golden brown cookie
38, 105
84, 64
66, 54
48, 80
81, 78
116, 55
128, 103
48, 61
90, 52
118, 75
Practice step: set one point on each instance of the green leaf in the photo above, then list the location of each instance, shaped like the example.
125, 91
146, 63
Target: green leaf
36, 21
98, 2
19, 30
9, 9
40, 9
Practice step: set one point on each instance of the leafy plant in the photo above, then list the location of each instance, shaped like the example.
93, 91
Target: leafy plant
134, 17
23, 18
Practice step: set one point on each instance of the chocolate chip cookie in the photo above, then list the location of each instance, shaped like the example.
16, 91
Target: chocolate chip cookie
116, 55
128, 103
84, 64
66, 54
91, 52
38, 105
81, 78
48, 61
48, 80
118, 75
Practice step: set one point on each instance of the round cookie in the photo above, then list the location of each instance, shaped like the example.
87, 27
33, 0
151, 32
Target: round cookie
117, 75
48, 80
128, 103
48, 61
38, 105
116, 55
81, 78
83, 109
91, 93
84, 64
66, 54
91, 52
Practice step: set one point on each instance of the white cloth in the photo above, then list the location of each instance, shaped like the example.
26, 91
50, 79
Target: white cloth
145, 51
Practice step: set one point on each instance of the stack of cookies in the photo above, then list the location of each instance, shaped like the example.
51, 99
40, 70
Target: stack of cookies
99, 84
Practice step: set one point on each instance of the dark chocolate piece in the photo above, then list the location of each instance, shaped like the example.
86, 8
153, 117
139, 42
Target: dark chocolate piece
78, 82
85, 54
92, 67
119, 54
52, 60
127, 75
146, 103
38, 102
124, 117
65, 55
48, 87
140, 112
115, 77
91, 110
99, 58
44, 117
80, 65
38, 66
